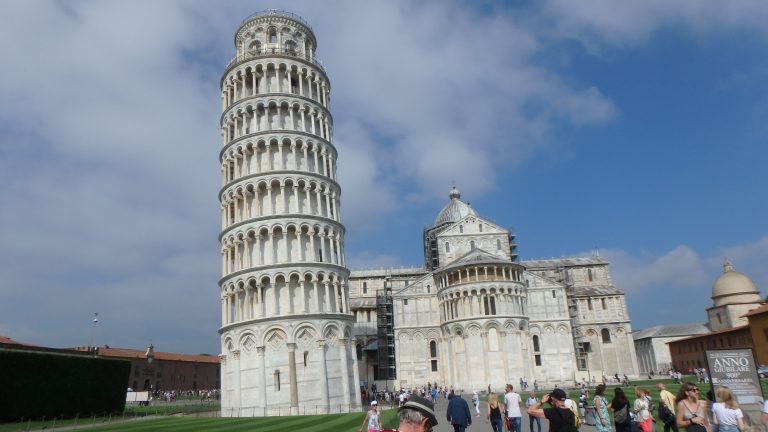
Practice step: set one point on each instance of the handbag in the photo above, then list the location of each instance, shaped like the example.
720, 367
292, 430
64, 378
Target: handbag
622, 416
695, 427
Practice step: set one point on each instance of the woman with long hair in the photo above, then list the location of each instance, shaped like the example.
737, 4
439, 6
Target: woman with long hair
691, 409
620, 409
495, 413
602, 418
642, 411
727, 414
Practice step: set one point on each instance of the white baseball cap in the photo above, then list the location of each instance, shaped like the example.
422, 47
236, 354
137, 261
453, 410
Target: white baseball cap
374, 403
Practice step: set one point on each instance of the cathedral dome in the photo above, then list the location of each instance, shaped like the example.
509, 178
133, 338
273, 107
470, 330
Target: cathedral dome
455, 210
734, 287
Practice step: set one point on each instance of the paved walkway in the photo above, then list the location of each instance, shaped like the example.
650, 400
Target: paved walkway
479, 424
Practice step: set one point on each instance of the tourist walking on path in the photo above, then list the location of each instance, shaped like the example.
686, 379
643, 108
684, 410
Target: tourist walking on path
512, 405
602, 418
667, 400
620, 409
476, 402
691, 410
458, 413
642, 411
726, 413
532, 400
561, 419
495, 413
373, 418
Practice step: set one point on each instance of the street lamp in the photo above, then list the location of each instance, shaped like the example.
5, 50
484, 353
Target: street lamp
93, 331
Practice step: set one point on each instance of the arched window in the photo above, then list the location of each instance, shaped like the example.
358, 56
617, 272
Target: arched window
272, 35
359, 351
536, 347
498, 244
472, 245
365, 287
461, 229
447, 247
606, 335
276, 380
433, 349
480, 227
605, 306
719, 318
589, 274
306, 358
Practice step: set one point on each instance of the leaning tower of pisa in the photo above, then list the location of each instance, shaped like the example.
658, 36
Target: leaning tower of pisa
285, 318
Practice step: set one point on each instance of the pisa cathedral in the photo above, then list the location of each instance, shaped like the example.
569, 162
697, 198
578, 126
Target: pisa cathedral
301, 334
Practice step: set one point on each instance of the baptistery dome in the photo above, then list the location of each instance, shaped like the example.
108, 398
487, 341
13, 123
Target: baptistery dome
733, 287
455, 210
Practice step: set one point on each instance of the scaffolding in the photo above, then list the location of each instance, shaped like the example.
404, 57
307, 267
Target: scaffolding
386, 333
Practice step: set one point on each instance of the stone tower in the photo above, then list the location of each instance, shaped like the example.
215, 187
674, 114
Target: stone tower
286, 323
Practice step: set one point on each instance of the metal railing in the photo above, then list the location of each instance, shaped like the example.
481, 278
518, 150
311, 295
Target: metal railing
269, 52
285, 410
278, 12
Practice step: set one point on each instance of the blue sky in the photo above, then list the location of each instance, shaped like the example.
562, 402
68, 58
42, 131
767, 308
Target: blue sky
638, 131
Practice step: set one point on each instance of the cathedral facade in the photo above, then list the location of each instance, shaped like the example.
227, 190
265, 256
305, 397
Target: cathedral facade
475, 315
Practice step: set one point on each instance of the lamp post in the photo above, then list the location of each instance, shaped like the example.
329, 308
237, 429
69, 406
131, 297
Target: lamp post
93, 331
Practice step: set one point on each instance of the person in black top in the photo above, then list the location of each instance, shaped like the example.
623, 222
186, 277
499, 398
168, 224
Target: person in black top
560, 418
620, 408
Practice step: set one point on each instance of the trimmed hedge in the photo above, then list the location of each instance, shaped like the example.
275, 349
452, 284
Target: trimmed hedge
36, 385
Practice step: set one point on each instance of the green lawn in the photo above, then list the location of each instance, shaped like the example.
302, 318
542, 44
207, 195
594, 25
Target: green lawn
322, 423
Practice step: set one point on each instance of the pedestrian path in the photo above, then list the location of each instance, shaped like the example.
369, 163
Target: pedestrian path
479, 423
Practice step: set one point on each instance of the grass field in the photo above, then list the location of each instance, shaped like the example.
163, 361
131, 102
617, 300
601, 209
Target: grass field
325, 423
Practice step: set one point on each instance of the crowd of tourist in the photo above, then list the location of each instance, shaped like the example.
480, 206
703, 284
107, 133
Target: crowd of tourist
503, 413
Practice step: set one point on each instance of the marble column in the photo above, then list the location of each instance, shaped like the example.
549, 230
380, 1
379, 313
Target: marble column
292, 377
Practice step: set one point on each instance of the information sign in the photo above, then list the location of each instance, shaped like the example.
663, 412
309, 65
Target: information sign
735, 369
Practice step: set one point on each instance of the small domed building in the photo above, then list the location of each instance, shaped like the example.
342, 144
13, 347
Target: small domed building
733, 295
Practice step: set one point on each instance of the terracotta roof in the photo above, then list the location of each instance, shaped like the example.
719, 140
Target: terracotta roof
719, 332
7, 340
757, 311
132, 353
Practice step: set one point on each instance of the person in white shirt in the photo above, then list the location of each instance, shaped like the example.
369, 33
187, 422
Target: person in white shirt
512, 405
726, 413
532, 400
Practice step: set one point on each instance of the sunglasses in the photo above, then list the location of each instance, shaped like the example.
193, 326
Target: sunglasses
693, 390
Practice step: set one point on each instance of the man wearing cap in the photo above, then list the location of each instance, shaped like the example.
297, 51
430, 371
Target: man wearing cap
560, 418
416, 415
458, 413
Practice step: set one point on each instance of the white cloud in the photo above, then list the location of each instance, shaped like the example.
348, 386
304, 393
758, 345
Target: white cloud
601, 23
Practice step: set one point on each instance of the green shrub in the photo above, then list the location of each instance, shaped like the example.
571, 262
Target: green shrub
37, 385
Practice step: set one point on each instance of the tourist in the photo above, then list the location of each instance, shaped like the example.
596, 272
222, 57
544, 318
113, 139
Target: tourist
667, 399
458, 413
602, 418
512, 405
726, 413
561, 419
533, 400
691, 410
642, 411
495, 414
373, 418
476, 402
620, 409
417, 414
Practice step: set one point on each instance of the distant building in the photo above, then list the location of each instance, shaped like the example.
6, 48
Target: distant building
167, 371
734, 295
758, 329
651, 344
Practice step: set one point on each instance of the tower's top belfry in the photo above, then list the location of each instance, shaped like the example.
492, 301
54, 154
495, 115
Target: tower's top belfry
275, 32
